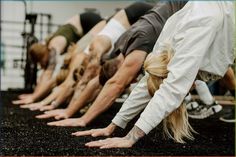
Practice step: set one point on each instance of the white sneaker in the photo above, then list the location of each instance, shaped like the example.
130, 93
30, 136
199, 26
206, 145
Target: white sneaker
192, 105
204, 111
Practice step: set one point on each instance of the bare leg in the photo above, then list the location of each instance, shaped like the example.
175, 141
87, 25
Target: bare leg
229, 79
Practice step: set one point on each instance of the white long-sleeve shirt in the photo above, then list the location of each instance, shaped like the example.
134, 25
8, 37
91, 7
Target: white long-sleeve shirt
201, 35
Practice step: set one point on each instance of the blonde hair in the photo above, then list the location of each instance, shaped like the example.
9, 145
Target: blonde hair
176, 125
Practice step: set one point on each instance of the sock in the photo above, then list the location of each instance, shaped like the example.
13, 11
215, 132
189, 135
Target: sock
188, 98
204, 92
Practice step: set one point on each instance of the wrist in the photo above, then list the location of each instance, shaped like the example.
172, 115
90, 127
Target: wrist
43, 103
111, 128
33, 97
69, 112
84, 121
55, 104
134, 135
129, 141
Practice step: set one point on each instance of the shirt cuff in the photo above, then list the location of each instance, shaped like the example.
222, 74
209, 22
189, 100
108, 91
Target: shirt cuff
143, 125
119, 121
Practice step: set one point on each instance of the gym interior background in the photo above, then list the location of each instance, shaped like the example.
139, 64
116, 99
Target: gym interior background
50, 14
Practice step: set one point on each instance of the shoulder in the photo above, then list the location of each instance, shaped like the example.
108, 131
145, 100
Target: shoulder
207, 12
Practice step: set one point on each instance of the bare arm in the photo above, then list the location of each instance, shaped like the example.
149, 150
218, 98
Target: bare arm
91, 71
116, 85
43, 83
81, 98
46, 82
44, 88
66, 89
116, 142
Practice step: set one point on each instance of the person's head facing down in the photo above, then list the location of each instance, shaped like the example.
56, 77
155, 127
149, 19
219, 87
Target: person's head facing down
176, 125
108, 69
39, 53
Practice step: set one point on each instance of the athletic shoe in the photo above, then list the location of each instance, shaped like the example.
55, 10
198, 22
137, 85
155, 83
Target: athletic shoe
192, 106
204, 111
229, 117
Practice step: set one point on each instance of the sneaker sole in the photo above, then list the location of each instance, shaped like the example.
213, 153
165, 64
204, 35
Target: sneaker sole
228, 120
211, 111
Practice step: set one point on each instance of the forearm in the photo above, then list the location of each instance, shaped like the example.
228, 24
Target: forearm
69, 81
105, 99
44, 89
78, 60
82, 97
94, 94
135, 134
134, 104
39, 80
44, 77
91, 72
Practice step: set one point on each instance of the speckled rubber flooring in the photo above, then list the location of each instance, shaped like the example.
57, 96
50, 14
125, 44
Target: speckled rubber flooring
22, 134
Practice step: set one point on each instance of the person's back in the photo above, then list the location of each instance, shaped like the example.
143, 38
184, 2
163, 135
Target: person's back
202, 16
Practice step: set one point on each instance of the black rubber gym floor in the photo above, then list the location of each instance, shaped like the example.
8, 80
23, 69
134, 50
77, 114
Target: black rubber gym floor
22, 134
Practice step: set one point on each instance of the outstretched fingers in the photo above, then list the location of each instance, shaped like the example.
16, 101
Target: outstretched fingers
71, 122
45, 115
99, 143
92, 132
83, 133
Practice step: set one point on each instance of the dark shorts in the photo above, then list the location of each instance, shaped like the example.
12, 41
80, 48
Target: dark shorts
145, 32
141, 36
136, 10
89, 20
69, 32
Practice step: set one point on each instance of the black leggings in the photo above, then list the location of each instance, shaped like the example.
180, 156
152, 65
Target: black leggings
136, 10
89, 20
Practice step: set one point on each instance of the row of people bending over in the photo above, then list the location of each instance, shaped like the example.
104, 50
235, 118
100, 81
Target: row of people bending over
176, 45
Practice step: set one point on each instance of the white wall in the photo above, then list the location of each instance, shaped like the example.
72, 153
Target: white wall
60, 11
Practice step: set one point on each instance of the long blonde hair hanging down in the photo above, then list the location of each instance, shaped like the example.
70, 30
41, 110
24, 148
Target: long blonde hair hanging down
176, 125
